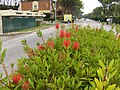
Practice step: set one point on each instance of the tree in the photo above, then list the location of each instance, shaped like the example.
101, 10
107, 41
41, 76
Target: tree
107, 4
71, 6
97, 11
115, 9
67, 7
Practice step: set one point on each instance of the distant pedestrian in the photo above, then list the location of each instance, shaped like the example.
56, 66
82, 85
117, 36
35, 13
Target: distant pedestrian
68, 22
99, 21
107, 21
84, 19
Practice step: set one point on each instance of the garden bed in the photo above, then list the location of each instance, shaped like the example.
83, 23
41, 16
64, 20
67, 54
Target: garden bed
80, 58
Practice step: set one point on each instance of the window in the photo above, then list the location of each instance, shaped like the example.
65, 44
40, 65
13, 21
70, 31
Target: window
35, 7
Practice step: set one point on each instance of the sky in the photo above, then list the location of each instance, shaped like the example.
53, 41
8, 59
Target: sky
89, 5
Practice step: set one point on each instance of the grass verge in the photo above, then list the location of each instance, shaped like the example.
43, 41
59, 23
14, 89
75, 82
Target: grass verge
43, 26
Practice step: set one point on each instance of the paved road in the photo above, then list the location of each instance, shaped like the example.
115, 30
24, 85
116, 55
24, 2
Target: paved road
15, 49
93, 24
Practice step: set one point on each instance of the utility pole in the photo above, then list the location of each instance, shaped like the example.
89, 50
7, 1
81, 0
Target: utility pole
55, 9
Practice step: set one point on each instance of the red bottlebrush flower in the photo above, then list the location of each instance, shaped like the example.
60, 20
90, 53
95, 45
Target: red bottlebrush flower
25, 86
68, 35
66, 43
75, 45
57, 26
62, 34
97, 29
16, 78
51, 44
40, 47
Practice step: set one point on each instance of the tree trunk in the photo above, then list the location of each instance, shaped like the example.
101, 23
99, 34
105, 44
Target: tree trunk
52, 6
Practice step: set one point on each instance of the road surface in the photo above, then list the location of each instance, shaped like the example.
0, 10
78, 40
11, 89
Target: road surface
15, 48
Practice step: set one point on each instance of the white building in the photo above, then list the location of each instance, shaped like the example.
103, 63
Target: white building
11, 14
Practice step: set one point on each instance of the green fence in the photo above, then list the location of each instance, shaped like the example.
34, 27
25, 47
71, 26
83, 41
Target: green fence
13, 24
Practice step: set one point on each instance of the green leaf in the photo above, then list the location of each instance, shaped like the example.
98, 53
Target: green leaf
55, 80
96, 89
38, 87
78, 85
59, 81
12, 64
100, 72
67, 79
97, 82
31, 83
101, 85
4, 88
86, 88
102, 65
117, 88
73, 82
17, 87
51, 85
112, 74
24, 42
37, 43
63, 77
39, 33
92, 83
3, 55
1, 75
111, 87
110, 64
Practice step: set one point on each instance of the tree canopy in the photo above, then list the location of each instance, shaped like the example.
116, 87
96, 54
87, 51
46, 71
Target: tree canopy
70, 6
110, 7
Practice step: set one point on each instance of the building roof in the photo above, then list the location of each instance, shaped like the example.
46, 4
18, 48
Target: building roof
20, 13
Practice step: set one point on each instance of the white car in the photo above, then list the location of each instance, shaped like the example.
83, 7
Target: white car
76, 19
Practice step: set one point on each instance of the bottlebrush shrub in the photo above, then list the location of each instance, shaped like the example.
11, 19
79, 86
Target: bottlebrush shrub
118, 28
86, 60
